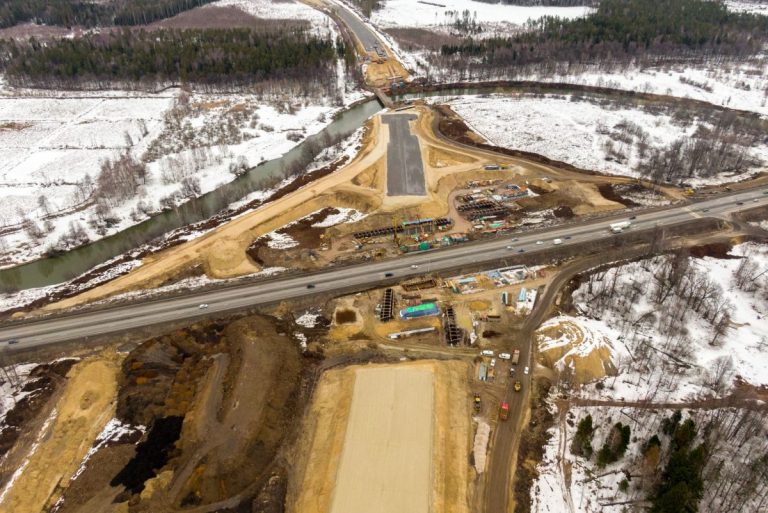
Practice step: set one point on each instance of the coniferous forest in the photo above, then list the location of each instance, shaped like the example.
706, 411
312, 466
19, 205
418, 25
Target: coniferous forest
85, 13
620, 30
231, 57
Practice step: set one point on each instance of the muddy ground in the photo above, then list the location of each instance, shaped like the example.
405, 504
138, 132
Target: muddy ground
218, 401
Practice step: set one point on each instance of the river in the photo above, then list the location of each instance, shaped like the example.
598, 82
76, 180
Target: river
60, 268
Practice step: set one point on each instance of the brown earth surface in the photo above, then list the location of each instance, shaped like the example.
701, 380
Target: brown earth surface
334, 438
86, 404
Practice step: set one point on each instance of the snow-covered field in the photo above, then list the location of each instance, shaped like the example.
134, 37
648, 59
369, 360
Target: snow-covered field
52, 148
493, 19
321, 24
669, 351
604, 137
752, 7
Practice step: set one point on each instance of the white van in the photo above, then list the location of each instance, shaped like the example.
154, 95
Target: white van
505, 356
486, 352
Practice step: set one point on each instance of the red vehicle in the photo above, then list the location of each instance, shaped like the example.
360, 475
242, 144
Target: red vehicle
504, 411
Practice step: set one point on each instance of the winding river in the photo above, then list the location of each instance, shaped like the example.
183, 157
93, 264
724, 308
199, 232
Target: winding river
60, 268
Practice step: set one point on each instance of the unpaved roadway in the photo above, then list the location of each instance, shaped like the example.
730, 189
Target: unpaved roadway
386, 463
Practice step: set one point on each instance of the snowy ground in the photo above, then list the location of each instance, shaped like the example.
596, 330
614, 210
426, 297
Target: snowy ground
490, 19
12, 390
590, 489
321, 24
660, 357
346, 148
602, 137
51, 147
752, 7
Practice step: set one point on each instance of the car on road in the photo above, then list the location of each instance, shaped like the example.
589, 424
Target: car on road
567, 237
486, 352
764, 192
632, 218
518, 386
525, 371
414, 266
310, 285
515, 239
505, 356
11, 342
510, 247
493, 362
739, 202
557, 242
705, 210
754, 200
521, 250
388, 275
512, 372
539, 243
203, 306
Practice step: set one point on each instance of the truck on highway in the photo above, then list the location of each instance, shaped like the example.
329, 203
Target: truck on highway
515, 357
620, 226
504, 411
518, 386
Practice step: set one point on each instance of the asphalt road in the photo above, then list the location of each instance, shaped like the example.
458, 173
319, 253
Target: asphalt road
62, 328
364, 34
405, 170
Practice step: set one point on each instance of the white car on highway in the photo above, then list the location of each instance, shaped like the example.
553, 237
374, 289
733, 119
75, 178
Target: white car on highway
538, 242
557, 242
203, 306
525, 371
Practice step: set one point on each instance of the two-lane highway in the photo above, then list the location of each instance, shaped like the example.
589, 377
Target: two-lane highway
360, 276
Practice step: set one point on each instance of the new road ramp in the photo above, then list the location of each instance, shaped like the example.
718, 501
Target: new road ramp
386, 463
405, 170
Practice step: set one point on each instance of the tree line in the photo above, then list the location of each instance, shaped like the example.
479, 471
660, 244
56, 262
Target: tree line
69, 13
619, 30
232, 57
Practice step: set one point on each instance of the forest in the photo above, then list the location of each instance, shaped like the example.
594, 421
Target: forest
226, 57
91, 14
620, 30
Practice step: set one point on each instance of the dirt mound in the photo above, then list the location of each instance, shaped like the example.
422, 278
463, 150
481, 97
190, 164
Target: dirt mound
159, 377
569, 344
715, 250
63, 440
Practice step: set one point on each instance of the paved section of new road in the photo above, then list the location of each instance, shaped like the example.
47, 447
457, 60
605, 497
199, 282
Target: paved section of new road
355, 277
367, 37
405, 170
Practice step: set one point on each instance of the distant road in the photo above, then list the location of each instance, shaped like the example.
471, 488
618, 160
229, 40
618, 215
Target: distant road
120, 318
364, 34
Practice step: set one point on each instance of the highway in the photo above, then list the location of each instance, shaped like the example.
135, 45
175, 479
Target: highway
65, 327
365, 35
